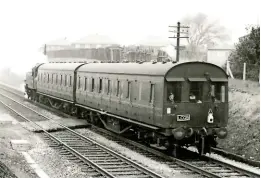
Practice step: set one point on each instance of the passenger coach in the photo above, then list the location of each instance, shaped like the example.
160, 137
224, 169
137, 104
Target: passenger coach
167, 105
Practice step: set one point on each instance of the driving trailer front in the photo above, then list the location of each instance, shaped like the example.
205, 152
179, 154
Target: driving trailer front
196, 104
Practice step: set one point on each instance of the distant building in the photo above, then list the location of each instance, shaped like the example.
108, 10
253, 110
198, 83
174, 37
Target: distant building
92, 47
219, 54
58, 44
94, 41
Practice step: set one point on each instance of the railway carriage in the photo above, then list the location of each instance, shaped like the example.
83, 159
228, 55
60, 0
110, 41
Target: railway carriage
167, 105
56, 85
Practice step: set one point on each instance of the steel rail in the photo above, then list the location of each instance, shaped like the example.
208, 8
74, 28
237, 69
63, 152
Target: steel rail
136, 165
178, 161
61, 143
235, 157
241, 170
190, 166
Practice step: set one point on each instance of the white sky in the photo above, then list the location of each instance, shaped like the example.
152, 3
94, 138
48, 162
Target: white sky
27, 24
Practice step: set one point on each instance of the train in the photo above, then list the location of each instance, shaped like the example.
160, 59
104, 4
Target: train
168, 105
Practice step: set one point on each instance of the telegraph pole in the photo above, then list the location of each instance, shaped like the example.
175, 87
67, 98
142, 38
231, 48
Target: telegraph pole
184, 31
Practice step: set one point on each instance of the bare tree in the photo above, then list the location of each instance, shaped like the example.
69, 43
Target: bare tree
203, 33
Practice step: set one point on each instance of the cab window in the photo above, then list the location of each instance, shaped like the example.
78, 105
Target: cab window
174, 92
218, 90
195, 92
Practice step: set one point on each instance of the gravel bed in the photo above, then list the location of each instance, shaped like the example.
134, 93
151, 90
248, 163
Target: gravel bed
5, 172
54, 164
235, 163
13, 159
229, 161
16, 163
160, 168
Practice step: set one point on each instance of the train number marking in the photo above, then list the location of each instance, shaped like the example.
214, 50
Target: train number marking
183, 117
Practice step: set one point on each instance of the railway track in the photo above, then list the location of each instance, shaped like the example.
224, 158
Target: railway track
96, 160
5, 172
214, 167
205, 166
235, 157
30, 115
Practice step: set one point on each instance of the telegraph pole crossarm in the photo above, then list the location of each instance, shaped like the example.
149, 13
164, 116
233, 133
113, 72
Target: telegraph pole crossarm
178, 36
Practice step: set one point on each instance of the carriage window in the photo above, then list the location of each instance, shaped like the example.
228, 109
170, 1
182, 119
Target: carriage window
85, 83
109, 86
128, 90
100, 86
65, 80
61, 80
218, 92
47, 78
79, 82
174, 92
152, 90
70, 81
195, 93
92, 84
56, 79
52, 79
118, 88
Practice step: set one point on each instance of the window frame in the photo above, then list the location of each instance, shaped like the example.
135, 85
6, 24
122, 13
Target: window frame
52, 78
70, 82
178, 85
200, 87
61, 79
118, 88
100, 85
56, 78
108, 86
152, 93
218, 93
128, 95
85, 83
92, 85
65, 80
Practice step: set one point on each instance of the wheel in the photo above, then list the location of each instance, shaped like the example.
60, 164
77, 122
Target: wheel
204, 143
176, 151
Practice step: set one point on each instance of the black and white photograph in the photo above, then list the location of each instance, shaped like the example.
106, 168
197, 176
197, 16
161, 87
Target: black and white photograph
129, 89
